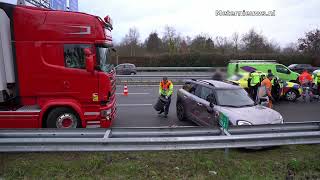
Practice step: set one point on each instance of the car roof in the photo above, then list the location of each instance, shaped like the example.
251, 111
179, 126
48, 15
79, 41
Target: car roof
126, 64
216, 84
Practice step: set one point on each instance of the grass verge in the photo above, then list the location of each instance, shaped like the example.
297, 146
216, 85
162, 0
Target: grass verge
298, 162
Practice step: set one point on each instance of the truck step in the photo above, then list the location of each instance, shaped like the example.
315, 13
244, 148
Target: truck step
29, 108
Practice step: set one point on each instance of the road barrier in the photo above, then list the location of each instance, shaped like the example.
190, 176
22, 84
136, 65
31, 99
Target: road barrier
190, 69
155, 79
147, 139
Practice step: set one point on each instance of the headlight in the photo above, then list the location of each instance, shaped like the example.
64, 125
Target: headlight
281, 119
105, 113
241, 122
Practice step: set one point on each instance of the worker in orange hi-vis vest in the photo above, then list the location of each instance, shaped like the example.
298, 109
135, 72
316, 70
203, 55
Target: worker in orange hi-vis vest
306, 80
267, 83
166, 90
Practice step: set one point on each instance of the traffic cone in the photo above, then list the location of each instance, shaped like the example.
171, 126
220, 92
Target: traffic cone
125, 90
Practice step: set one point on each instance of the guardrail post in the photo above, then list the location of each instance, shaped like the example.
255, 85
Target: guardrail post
224, 132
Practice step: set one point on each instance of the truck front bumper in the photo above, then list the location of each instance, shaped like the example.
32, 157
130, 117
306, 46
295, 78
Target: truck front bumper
102, 118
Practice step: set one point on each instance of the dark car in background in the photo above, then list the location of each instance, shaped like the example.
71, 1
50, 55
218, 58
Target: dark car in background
300, 67
126, 69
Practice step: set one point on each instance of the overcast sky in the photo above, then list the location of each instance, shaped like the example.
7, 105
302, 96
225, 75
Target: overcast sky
192, 17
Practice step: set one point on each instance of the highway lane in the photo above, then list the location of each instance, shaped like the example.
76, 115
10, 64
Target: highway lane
136, 110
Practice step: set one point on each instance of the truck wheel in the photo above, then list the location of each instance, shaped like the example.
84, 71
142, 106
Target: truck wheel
63, 117
181, 114
291, 95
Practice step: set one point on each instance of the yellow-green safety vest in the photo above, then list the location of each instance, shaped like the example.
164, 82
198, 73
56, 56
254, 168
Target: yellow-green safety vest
255, 79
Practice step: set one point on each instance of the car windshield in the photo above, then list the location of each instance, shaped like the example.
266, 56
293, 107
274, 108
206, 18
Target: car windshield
104, 59
233, 98
236, 77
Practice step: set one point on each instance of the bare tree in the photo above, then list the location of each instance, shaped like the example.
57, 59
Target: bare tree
132, 39
235, 39
291, 48
170, 39
256, 43
153, 43
310, 44
223, 44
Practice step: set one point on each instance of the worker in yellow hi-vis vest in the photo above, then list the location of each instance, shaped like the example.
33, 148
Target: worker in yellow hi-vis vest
254, 81
166, 90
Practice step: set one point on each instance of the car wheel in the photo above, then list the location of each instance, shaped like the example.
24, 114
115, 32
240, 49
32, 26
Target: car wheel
181, 114
63, 118
291, 95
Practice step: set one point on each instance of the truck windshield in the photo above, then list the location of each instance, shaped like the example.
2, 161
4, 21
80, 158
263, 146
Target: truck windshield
233, 98
104, 59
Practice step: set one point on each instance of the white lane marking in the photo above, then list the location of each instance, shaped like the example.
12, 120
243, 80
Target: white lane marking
123, 105
134, 93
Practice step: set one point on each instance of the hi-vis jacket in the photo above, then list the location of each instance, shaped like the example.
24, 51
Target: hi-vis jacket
166, 89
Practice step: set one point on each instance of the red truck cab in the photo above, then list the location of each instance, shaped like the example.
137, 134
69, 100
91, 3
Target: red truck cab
58, 74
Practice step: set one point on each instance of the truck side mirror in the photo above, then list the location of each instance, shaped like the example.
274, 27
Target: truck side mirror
89, 63
89, 60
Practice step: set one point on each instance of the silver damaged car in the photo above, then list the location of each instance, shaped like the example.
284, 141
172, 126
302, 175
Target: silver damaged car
202, 101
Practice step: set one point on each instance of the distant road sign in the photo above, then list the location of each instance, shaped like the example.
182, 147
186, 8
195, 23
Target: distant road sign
58, 4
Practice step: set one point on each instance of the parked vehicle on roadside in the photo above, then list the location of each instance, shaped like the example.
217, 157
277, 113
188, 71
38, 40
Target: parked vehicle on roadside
126, 69
202, 101
55, 69
299, 68
287, 90
279, 70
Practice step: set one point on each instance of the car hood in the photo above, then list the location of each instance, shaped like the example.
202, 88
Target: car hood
255, 114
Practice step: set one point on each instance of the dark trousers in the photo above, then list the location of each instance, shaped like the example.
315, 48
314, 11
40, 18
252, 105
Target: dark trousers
253, 92
167, 105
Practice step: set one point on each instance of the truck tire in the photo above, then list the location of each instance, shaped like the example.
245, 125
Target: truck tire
292, 95
63, 117
181, 114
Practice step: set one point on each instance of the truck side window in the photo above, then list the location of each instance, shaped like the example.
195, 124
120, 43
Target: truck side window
74, 56
282, 69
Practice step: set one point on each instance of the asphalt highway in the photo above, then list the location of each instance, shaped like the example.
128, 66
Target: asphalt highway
136, 109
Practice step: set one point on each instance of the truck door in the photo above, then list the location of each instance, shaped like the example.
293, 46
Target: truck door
77, 81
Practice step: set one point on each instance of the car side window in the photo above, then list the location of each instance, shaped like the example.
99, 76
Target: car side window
74, 56
206, 93
198, 91
190, 87
282, 69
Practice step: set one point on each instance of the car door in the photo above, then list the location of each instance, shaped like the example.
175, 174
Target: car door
206, 117
185, 96
125, 69
119, 69
283, 72
195, 104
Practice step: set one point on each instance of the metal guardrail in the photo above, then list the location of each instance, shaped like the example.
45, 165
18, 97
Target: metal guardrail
212, 69
121, 79
142, 139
